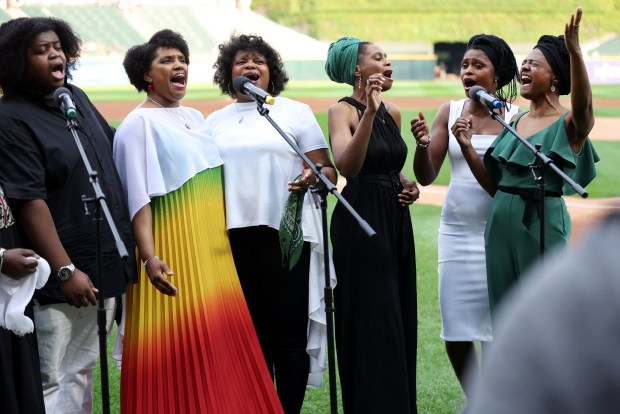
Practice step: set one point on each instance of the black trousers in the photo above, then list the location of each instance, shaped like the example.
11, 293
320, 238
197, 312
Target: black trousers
20, 375
278, 302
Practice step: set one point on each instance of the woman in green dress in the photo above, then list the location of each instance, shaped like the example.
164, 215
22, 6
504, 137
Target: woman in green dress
554, 67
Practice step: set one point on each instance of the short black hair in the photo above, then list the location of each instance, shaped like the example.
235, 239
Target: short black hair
16, 35
138, 58
223, 66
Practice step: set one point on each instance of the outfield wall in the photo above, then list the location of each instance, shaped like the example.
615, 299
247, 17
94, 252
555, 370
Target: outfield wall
414, 67
406, 67
604, 71
111, 72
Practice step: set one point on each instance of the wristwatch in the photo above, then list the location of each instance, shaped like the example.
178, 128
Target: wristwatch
65, 273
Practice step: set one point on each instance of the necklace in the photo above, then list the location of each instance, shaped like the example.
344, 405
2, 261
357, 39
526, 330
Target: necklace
240, 114
170, 112
483, 123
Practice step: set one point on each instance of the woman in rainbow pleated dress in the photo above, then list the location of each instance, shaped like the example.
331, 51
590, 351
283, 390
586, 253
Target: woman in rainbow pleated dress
189, 344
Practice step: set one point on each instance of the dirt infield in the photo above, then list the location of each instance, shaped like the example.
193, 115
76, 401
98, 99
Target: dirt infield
584, 213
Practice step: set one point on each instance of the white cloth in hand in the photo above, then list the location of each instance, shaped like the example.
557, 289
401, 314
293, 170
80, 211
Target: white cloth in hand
15, 294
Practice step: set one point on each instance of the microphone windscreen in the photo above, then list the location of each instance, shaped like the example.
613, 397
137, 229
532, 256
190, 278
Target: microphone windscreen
238, 83
60, 91
473, 92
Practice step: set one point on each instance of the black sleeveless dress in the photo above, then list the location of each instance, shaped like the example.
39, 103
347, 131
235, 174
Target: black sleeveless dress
375, 299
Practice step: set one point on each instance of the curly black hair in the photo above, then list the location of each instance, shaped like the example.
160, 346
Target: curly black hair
504, 63
138, 58
223, 66
15, 38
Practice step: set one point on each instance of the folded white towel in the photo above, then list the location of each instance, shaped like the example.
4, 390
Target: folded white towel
15, 296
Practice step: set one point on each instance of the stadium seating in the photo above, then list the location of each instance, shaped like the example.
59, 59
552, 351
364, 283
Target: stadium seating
181, 18
4, 16
103, 29
609, 47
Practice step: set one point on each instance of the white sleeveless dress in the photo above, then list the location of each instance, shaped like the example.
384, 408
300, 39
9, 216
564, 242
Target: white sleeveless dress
463, 296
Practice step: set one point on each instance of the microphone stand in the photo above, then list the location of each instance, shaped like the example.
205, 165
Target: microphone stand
538, 172
322, 189
101, 207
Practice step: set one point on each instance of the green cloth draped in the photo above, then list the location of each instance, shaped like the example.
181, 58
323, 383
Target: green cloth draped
291, 233
341, 60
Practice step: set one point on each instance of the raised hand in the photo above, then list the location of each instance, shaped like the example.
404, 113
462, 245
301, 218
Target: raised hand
374, 86
419, 129
571, 31
462, 131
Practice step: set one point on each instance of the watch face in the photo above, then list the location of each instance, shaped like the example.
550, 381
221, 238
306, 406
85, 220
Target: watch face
64, 274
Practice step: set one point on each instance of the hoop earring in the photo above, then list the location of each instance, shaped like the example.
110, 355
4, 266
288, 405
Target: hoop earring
552, 88
232, 93
273, 87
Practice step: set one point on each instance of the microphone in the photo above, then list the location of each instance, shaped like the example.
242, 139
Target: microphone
245, 86
62, 97
479, 94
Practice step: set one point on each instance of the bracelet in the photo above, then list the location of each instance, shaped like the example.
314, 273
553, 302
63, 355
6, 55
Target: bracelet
147, 260
417, 142
2, 251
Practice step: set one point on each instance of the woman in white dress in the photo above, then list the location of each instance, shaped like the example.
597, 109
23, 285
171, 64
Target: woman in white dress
463, 298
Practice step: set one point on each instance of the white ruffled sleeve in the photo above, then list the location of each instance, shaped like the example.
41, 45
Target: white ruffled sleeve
135, 157
155, 155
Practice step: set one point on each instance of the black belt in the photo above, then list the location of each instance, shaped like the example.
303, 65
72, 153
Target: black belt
532, 200
391, 180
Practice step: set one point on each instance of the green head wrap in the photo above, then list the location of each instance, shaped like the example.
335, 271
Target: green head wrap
341, 60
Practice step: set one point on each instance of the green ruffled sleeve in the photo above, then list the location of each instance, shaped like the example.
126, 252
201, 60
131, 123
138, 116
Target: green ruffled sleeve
508, 152
584, 169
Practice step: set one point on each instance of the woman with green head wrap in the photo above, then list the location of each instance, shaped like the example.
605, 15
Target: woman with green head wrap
342, 59
376, 320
